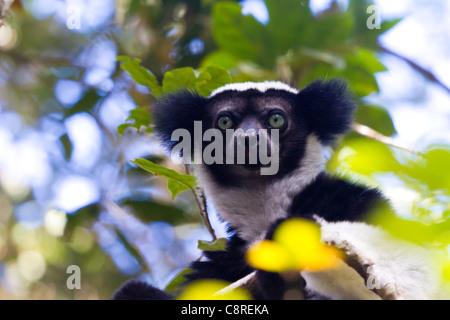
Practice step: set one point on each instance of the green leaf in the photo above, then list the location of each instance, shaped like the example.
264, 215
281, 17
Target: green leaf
204, 80
174, 285
141, 118
221, 58
289, 24
149, 211
140, 74
82, 217
376, 118
431, 169
67, 146
361, 33
121, 129
242, 36
412, 230
130, 247
216, 245
177, 182
181, 78
210, 78
363, 156
86, 103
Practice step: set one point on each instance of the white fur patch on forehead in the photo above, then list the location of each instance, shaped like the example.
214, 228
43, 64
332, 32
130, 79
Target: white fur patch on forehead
260, 86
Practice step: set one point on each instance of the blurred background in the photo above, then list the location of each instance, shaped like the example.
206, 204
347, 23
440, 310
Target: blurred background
69, 194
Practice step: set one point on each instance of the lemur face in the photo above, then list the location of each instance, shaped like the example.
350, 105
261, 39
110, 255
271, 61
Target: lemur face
254, 131
262, 128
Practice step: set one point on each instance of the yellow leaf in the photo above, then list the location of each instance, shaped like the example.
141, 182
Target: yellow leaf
295, 234
206, 289
323, 258
269, 256
296, 246
302, 239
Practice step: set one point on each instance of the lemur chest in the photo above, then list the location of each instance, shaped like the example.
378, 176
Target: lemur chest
252, 211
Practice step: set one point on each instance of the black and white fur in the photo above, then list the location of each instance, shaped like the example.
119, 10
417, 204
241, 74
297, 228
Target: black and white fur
251, 204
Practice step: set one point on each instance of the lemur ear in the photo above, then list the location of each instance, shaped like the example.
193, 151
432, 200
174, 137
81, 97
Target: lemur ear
177, 110
327, 108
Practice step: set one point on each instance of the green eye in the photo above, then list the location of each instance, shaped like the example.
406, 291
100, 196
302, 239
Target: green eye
276, 121
225, 123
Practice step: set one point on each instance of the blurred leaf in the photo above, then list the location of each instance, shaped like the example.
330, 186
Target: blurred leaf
140, 117
414, 231
364, 156
363, 35
376, 118
140, 74
296, 245
216, 245
149, 211
130, 248
292, 25
67, 144
301, 238
212, 77
176, 182
221, 58
239, 35
204, 80
82, 217
177, 79
121, 129
430, 169
174, 285
207, 289
86, 103
288, 23
270, 256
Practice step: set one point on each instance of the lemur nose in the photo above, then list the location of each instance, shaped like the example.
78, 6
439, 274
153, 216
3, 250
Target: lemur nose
249, 139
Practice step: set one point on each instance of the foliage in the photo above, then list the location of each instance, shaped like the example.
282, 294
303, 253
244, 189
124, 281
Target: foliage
282, 254
207, 290
164, 46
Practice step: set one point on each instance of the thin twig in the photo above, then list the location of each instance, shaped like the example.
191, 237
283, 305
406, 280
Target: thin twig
120, 215
426, 73
246, 283
201, 203
370, 133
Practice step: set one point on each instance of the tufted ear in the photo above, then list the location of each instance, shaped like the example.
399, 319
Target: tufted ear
327, 108
178, 110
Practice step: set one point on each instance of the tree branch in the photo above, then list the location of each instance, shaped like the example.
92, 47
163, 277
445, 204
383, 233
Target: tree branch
372, 134
426, 73
200, 198
246, 283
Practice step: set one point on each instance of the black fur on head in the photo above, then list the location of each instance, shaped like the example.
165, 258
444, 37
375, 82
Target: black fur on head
178, 110
138, 290
322, 108
327, 108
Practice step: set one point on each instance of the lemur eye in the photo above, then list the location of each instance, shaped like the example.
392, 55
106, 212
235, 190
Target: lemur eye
225, 123
276, 121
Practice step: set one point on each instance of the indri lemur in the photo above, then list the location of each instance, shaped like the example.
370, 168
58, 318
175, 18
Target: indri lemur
253, 204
